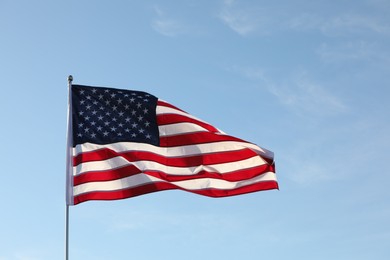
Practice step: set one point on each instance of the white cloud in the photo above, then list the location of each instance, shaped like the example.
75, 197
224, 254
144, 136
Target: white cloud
240, 22
354, 51
167, 26
338, 25
298, 92
354, 23
262, 19
307, 95
244, 21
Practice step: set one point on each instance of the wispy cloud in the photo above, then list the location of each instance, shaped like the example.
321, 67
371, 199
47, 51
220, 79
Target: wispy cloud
241, 20
371, 53
354, 23
254, 18
166, 25
339, 25
298, 92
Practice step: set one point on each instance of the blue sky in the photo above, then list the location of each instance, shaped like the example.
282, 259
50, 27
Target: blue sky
308, 80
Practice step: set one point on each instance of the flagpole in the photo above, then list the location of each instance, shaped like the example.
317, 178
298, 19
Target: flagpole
67, 232
68, 168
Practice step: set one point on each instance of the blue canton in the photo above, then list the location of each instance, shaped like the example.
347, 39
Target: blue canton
107, 115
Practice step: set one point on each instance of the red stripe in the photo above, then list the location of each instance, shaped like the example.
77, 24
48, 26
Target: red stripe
196, 138
233, 176
182, 161
109, 175
160, 186
167, 119
165, 104
128, 171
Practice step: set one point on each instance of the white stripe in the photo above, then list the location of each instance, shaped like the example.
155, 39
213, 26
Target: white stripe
180, 128
160, 110
185, 150
118, 162
142, 179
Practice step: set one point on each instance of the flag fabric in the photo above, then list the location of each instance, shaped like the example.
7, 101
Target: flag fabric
125, 143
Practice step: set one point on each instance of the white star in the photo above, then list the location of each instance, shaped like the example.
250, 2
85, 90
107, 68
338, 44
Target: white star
140, 118
141, 130
113, 129
146, 111
100, 118
105, 133
82, 92
132, 100
133, 135
139, 105
147, 124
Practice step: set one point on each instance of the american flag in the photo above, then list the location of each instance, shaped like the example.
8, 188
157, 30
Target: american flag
126, 143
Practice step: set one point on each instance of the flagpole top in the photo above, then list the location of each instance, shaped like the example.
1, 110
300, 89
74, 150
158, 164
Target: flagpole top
70, 79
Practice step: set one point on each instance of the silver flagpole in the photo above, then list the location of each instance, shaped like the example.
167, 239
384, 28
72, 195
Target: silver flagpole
67, 232
68, 167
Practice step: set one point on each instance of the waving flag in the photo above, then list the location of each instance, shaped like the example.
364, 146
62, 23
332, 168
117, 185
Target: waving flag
126, 143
